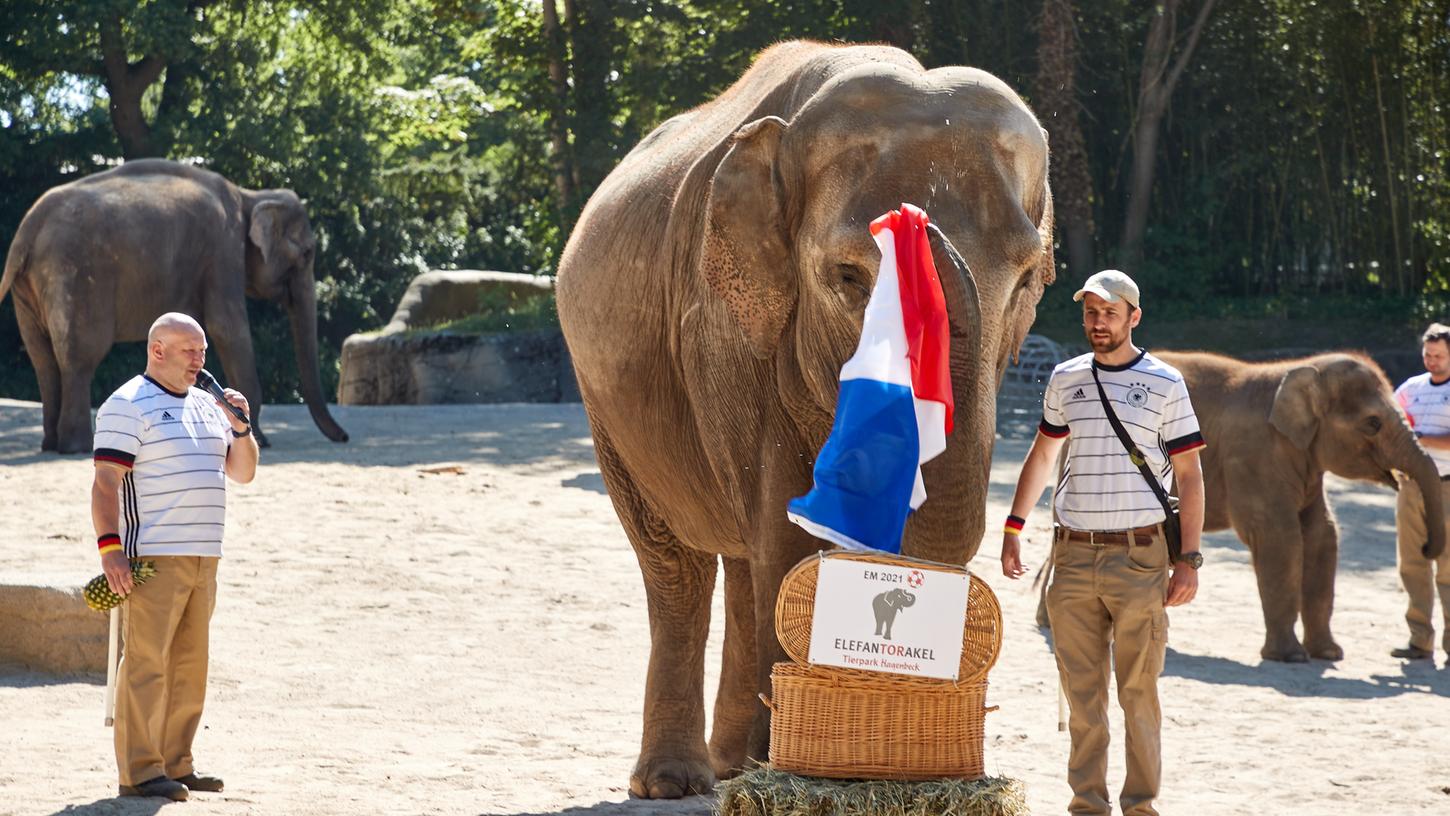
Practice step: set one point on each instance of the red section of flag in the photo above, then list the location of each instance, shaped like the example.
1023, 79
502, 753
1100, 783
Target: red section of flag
923, 306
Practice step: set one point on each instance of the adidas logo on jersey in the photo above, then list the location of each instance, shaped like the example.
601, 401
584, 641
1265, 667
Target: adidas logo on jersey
167, 415
1078, 394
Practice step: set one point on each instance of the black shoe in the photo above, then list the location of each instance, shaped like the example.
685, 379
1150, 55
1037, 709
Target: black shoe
160, 786
1411, 652
201, 782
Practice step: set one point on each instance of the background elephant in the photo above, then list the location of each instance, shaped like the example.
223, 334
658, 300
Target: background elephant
97, 260
886, 605
709, 295
1273, 430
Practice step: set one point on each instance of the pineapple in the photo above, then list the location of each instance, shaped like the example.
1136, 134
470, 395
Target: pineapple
99, 595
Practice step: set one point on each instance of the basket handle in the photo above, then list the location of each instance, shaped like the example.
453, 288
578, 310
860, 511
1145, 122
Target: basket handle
768, 703
990, 709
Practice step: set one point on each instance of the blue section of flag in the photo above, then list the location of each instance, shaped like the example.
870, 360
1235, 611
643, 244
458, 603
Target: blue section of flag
865, 472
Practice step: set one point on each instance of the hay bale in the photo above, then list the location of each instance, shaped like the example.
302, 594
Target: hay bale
764, 791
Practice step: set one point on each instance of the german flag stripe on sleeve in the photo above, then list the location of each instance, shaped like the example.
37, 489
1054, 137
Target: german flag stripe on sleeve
1048, 429
121, 458
1185, 443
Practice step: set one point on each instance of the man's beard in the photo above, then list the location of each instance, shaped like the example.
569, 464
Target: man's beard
1106, 344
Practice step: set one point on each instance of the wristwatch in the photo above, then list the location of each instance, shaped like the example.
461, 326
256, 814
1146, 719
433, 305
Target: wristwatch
1193, 559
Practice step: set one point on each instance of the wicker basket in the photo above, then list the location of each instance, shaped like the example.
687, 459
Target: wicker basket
841, 725
796, 604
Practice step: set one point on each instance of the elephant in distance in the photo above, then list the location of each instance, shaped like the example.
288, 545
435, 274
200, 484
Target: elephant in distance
96, 260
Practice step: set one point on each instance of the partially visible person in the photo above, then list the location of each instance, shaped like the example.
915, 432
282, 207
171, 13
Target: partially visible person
1426, 400
163, 453
1112, 575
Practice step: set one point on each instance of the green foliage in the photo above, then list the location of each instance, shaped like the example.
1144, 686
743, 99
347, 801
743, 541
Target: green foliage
1303, 163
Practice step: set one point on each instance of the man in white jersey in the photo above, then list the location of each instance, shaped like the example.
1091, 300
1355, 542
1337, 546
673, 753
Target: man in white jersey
163, 453
1110, 557
1426, 400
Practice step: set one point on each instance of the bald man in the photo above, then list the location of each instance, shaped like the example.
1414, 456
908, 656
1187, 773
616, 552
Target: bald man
163, 453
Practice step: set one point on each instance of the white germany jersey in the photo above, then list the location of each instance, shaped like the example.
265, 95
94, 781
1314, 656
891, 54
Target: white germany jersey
174, 447
1427, 404
1100, 489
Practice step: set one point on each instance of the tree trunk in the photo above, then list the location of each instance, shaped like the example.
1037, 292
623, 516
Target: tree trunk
126, 83
591, 40
1155, 88
1056, 103
559, 156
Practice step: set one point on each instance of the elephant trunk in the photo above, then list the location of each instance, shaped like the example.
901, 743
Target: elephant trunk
948, 527
303, 313
1418, 465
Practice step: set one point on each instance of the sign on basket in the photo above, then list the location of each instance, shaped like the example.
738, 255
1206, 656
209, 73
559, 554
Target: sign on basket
886, 618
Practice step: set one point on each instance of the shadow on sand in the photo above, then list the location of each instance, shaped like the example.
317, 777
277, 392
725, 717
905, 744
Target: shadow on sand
118, 806
1309, 679
690, 806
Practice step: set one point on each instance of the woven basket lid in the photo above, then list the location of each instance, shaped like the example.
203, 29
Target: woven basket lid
795, 607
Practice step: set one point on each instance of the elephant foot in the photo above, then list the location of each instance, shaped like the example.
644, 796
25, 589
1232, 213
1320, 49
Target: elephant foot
1293, 653
728, 755
48, 444
1325, 649
670, 778
74, 447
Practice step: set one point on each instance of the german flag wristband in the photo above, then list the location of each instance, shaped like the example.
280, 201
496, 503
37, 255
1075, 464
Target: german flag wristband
108, 543
1014, 525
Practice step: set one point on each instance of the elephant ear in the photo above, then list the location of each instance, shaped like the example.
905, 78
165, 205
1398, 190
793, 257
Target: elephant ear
1298, 405
744, 256
265, 233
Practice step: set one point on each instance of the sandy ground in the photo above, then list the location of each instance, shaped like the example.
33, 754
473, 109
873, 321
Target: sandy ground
390, 640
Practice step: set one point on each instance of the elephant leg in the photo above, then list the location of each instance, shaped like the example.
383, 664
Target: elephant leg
1277, 550
79, 348
777, 547
47, 371
679, 582
1321, 559
228, 331
736, 703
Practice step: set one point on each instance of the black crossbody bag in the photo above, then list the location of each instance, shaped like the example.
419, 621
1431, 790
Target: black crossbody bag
1171, 529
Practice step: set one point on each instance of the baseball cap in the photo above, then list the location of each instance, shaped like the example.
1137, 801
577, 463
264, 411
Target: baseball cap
1112, 286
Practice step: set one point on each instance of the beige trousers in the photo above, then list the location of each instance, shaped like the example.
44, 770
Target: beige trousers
1420, 576
1108, 598
161, 683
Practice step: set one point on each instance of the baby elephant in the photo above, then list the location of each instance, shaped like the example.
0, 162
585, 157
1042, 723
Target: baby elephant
1273, 431
887, 604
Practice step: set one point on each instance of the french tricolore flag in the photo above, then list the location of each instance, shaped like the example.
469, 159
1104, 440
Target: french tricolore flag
895, 406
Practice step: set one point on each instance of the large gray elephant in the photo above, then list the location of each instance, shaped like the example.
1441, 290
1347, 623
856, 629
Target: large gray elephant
714, 286
95, 261
1273, 430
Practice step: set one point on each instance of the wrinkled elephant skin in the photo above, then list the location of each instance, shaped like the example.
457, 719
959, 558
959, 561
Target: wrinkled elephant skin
709, 295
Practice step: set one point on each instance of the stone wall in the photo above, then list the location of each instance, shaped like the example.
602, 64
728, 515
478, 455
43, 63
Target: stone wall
49, 628
407, 364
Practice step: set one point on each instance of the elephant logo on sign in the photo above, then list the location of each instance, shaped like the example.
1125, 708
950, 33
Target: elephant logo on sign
886, 605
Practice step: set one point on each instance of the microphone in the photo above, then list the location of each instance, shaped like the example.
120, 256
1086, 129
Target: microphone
208, 382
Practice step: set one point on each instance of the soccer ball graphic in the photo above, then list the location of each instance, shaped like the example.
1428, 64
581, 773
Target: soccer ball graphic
915, 579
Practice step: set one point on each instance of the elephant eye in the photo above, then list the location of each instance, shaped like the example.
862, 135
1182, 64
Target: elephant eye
1372, 425
852, 284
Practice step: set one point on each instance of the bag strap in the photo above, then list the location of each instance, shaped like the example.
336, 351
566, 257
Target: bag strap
1134, 454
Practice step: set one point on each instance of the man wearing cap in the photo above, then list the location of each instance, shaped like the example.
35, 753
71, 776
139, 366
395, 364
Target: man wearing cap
1111, 573
1426, 400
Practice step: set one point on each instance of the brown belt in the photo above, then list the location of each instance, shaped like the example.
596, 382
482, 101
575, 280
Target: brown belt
1140, 536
